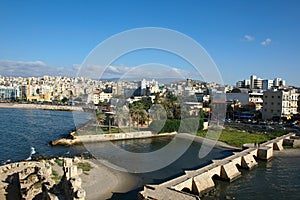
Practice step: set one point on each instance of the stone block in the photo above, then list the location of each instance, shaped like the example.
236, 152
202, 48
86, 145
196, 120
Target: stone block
203, 183
265, 153
248, 161
296, 144
229, 171
278, 145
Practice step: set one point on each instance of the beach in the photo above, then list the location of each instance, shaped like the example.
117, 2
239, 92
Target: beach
40, 106
101, 181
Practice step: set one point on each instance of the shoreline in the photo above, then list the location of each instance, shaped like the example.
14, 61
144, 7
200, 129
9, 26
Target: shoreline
40, 107
102, 182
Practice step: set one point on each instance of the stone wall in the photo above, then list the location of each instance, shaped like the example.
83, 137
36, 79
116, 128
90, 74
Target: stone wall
71, 181
26, 180
33, 180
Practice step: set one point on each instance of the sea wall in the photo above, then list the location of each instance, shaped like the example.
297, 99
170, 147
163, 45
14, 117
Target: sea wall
109, 137
196, 182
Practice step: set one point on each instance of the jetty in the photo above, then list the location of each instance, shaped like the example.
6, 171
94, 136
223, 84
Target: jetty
193, 184
72, 139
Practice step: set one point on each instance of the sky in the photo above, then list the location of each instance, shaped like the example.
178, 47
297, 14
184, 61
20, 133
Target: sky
242, 37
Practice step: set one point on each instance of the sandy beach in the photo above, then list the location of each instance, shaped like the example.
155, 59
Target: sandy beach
40, 106
102, 181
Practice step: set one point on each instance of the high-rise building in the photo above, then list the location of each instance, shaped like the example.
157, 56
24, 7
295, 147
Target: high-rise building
258, 83
267, 84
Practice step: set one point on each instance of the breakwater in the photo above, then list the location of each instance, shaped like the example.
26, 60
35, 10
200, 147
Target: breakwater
194, 183
107, 137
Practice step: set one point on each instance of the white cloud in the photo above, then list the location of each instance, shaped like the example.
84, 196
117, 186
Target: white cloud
266, 42
39, 68
249, 38
33, 68
148, 71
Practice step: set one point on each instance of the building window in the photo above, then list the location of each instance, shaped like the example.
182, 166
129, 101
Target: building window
272, 97
271, 110
278, 103
272, 103
278, 97
278, 111
266, 96
266, 110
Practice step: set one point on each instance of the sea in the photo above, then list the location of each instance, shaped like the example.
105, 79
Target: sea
26, 133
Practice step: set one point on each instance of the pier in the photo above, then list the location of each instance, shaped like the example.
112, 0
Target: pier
108, 137
194, 183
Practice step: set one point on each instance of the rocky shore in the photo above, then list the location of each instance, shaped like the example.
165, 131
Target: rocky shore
63, 178
57, 178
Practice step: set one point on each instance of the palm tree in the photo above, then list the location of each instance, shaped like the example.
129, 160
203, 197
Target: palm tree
138, 115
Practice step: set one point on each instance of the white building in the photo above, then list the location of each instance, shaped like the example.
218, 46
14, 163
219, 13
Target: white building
279, 103
258, 83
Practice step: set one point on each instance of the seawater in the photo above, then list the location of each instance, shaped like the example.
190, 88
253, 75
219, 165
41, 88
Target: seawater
276, 179
25, 133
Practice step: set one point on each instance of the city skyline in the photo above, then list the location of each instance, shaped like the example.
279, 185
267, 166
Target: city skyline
54, 38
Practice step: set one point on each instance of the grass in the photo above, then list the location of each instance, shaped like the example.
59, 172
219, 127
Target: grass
86, 167
55, 176
237, 138
104, 130
59, 162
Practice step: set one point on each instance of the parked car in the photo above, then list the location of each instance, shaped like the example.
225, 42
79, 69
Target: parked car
262, 122
268, 127
281, 127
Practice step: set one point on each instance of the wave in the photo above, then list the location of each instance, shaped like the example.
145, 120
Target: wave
32, 152
3, 162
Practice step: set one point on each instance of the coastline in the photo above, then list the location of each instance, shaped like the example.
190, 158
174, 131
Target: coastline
40, 107
103, 182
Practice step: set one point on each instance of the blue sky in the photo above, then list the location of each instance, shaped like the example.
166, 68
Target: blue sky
242, 37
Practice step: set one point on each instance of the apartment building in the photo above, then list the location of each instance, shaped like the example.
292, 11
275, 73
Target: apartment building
257, 83
279, 103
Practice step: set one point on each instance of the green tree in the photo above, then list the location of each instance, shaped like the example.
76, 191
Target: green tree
64, 100
138, 112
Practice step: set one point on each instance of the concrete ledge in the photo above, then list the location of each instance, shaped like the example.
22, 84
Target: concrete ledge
229, 171
265, 153
200, 180
278, 145
108, 137
248, 161
203, 183
292, 143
